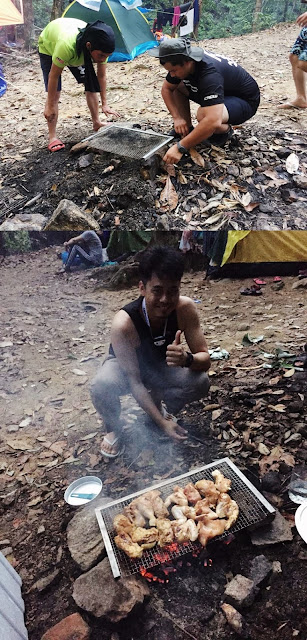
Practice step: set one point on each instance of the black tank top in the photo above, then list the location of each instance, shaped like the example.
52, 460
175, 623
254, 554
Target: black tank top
148, 354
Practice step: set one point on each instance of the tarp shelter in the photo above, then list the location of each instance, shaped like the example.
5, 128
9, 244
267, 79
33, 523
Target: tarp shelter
9, 14
246, 253
132, 31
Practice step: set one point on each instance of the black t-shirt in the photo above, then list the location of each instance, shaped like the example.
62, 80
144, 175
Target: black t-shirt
215, 77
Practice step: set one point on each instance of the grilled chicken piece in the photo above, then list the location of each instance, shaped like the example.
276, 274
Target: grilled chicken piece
227, 508
146, 538
202, 507
177, 497
134, 515
208, 489
208, 529
185, 531
166, 533
183, 513
121, 523
222, 484
125, 543
191, 493
159, 507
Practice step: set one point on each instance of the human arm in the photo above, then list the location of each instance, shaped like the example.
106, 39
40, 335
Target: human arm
51, 103
176, 355
72, 241
181, 126
124, 342
302, 19
102, 79
210, 119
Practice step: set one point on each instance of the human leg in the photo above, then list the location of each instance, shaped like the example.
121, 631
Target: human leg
298, 61
108, 385
93, 105
77, 251
46, 63
180, 386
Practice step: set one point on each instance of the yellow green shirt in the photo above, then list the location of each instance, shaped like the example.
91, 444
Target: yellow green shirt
58, 40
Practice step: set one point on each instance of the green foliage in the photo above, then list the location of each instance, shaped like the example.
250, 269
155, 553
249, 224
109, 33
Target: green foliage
16, 241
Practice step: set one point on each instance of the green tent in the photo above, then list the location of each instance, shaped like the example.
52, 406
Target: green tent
132, 31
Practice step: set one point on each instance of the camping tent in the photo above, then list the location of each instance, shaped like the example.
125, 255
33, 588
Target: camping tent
132, 32
240, 253
9, 14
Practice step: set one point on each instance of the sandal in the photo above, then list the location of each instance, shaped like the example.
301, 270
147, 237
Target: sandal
259, 281
276, 279
112, 444
253, 291
56, 145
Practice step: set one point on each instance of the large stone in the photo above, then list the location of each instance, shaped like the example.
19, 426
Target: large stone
104, 597
84, 537
300, 284
27, 221
279, 530
71, 628
260, 569
240, 591
68, 217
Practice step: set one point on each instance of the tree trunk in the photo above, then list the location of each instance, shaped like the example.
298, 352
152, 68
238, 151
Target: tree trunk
285, 11
57, 9
28, 23
196, 26
257, 10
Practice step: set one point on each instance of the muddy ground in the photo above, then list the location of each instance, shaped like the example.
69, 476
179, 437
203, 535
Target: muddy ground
252, 186
54, 334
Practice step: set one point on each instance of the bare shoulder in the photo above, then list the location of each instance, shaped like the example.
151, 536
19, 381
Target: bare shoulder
123, 327
186, 311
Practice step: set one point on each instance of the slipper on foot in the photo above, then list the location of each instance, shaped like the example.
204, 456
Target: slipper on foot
276, 279
112, 443
259, 281
56, 145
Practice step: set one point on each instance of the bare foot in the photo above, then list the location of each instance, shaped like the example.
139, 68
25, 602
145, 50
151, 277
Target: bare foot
294, 104
97, 125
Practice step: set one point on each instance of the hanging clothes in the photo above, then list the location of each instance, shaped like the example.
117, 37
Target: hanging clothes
196, 11
176, 16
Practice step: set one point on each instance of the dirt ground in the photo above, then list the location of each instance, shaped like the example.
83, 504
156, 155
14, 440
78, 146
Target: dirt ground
54, 333
122, 196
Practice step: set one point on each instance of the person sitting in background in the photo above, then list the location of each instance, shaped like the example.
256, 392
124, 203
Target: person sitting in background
146, 356
73, 43
298, 60
87, 247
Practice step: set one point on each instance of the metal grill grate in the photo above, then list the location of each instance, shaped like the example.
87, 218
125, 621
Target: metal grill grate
253, 507
128, 142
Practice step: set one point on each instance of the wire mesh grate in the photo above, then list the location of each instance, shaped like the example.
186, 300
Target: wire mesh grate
128, 142
251, 512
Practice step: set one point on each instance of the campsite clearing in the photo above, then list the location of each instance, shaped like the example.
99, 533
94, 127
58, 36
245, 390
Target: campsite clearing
251, 185
54, 327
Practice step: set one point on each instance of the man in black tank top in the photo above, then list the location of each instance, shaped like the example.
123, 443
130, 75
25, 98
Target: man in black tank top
225, 92
147, 357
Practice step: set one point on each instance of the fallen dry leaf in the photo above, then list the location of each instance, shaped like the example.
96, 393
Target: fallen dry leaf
197, 158
169, 195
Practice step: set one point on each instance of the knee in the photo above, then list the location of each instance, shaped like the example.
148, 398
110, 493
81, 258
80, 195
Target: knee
293, 59
100, 389
302, 64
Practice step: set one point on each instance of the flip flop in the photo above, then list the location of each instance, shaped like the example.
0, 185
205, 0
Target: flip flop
112, 443
56, 145
253, 291
259, 281
276, 279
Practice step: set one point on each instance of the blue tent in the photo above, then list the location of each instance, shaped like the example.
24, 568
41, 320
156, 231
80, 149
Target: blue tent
2, 83
132, 32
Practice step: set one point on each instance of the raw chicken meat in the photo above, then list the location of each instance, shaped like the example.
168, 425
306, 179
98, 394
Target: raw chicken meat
208, 529
222, 484
191, 493
208, 489
183, 513
185, 531
177, 497
227, 508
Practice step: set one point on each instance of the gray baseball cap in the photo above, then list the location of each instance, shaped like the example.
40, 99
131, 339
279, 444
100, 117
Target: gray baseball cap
175, 47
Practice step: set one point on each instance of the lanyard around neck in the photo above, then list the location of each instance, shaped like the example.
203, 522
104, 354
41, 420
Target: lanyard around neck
159, 340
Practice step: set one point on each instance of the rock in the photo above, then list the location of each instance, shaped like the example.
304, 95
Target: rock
277, 531
240, 591
233, 170
276, 566
246, 172
98, 593
68, 217
243, 326
266, 208
163, 222
300, 181
7, 551
30, 222
271, 482
84, 537
85, 161
71, 628
300, 284
235, 620
260, 570
44, 583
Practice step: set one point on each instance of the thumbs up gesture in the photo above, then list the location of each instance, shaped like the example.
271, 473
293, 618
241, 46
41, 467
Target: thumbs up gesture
175, 353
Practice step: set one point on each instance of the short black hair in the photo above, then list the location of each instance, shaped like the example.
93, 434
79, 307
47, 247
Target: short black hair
178, 59
164, 261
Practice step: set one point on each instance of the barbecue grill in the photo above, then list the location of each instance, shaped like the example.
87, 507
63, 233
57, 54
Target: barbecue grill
128, 142
254, 508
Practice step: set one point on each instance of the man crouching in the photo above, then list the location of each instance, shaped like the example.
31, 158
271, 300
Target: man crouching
146, 357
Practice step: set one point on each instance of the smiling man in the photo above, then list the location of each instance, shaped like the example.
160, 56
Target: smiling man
75, 44
226, 93
147, 357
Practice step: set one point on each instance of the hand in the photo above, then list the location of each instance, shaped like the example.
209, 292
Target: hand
181, 127
302, 20
173, 155
50, 113
109, 112
174, 430
175, 352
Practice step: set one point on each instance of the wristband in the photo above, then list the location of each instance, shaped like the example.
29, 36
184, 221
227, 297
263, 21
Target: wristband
182, 149
189, 359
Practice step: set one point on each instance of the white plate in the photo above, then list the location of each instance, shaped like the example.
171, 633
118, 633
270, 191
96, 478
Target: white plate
83, 490
301, 520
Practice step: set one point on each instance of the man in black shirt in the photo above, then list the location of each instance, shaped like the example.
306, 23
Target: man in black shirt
147, 357
226, 93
